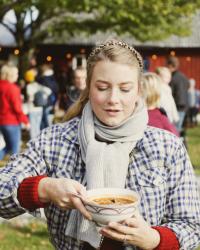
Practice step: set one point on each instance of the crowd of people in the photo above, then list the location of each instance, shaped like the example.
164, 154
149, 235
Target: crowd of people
121, 129
174, 97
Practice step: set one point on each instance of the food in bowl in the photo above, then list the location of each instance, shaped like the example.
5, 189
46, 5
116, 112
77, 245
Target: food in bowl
113, 200
111, 204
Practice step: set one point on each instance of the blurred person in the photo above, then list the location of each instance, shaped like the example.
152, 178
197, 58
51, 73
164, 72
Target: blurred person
78, 85
37, 99
62, 75
179, 84
106, 143
193, 103
11, 114
151, 91
47, 78
166, 99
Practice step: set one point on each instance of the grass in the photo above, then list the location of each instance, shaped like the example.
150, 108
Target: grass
193, 141
31, 237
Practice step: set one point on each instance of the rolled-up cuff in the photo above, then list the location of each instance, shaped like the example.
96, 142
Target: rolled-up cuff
168, 239
27, 193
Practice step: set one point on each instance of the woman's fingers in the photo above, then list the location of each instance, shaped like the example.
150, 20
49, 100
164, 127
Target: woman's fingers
131, 222
124, 229
58, 192
111, 233
79, 205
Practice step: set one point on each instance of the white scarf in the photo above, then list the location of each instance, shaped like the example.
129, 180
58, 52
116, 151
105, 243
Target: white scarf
106, 160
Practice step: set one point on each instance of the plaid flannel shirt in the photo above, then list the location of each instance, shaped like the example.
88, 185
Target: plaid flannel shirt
159, 170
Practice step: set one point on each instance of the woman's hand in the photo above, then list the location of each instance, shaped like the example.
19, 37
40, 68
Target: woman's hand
135, 231
56, 190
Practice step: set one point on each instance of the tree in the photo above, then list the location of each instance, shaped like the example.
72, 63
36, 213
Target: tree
143, 20
37, 20
29, 15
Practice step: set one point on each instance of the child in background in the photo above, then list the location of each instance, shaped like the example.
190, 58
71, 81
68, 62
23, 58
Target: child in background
151, 91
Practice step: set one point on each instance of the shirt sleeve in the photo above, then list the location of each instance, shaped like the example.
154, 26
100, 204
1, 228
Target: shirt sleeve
182, 213
30, 163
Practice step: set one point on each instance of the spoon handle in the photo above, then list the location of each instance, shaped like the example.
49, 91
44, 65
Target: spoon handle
85, 201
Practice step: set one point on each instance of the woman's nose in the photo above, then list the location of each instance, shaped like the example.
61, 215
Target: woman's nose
113, 96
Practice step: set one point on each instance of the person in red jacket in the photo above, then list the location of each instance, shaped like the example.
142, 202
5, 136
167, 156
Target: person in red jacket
11, 114
151, 91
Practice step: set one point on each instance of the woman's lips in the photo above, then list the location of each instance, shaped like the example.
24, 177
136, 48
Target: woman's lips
112, 112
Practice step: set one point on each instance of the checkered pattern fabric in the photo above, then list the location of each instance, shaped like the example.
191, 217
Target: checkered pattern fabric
159, 170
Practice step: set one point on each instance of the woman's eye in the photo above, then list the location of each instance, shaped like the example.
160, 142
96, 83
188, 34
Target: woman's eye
102, 88
125, 90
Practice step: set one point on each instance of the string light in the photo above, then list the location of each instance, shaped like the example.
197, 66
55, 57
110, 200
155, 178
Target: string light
172, 53
154, 57
68, 55
188, 58
16, 52
49, 58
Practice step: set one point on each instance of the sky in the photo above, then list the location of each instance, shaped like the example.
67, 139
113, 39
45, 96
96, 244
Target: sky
6, 38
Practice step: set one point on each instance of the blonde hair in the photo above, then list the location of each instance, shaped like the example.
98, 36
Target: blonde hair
151, 88
113, 51
162, 70
164, 73
8, 72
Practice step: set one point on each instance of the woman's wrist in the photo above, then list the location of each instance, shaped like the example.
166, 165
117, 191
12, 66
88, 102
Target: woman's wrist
155, 239
43, 187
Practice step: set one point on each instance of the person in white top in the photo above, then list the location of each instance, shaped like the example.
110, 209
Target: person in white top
35, 111
167, 101
193, 103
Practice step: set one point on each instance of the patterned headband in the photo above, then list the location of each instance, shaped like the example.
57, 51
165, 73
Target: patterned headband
98, 49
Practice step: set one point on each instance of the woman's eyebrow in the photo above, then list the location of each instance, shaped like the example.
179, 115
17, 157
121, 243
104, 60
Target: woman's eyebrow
102, 81
121, 83
126, 83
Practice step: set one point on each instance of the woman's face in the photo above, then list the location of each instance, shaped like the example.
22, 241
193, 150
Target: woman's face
15, 75
166, 76
113, 92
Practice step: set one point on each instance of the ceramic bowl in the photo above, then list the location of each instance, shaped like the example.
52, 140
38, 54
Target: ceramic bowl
102, 214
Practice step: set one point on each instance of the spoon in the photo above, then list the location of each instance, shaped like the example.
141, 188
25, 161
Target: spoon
86, 201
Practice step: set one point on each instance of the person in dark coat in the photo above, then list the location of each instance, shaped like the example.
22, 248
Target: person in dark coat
78, 85
179, 84
48, 79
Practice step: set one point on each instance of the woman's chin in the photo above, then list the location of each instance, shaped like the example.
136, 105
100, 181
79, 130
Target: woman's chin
112, 122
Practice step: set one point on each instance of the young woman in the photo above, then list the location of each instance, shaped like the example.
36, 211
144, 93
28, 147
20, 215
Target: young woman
106, 143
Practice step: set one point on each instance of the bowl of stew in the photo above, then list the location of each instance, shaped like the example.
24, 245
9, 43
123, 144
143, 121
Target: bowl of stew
111, 204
